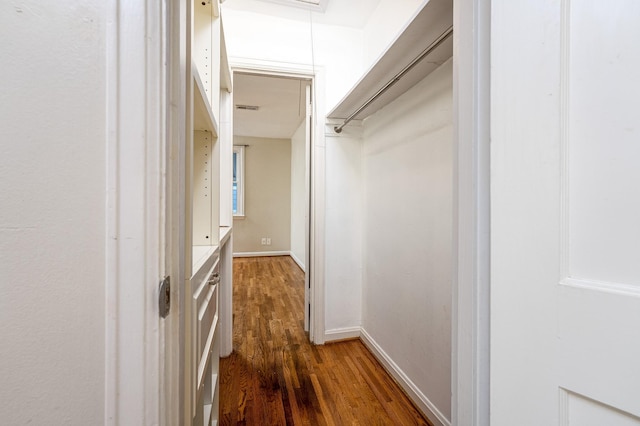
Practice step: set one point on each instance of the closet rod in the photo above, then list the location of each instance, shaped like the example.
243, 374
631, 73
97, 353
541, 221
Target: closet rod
394, 80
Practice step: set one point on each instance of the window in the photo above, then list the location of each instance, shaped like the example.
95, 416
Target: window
238, 180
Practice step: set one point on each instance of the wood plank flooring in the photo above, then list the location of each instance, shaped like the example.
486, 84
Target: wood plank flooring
276, 377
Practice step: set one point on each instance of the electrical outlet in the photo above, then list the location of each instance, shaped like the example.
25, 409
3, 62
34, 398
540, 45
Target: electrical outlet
268, 241
264, 241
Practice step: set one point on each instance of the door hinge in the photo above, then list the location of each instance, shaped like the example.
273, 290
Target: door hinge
164, 297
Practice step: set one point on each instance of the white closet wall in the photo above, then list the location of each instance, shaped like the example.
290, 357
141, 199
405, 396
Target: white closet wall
53, 234
407, 236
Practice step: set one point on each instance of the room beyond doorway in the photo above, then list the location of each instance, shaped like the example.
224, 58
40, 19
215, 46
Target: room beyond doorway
272, 130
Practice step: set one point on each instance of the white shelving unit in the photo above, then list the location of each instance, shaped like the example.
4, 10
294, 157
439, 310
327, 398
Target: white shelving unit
433, 19
210, 75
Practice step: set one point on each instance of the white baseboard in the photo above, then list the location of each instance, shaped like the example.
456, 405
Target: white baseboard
261, 253
342, 334
298, 261
423, 403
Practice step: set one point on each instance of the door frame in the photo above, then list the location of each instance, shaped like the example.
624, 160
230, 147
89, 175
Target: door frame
471, 238
135, 192
316, 243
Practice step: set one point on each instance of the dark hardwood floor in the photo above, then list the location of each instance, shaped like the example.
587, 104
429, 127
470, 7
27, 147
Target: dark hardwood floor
276, 377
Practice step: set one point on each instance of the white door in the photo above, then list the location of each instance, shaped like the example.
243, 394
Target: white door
307, 180
565, 207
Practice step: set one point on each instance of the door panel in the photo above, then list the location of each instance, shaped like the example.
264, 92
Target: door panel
565, 288
307, 246
580, 411
601, 117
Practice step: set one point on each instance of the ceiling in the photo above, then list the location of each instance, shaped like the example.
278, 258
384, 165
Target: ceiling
347, 13
280, 102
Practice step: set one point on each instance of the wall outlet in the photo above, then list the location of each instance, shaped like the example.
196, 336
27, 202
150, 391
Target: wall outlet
264, 242
268, 241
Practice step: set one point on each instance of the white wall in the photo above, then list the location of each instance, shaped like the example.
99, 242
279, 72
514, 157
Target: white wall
298, 195
52, 214
385, 24
407, 235
267, 198
344, 230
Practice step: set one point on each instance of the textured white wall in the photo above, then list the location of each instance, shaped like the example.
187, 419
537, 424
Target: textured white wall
298, 194
407, 236
52, 213
267, 198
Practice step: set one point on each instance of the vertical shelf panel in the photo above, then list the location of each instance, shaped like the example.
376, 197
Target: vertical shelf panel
202, 44
202, 192
226, 159
206, 52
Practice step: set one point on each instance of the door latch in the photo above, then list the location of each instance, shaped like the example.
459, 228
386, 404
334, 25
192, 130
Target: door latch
164, 300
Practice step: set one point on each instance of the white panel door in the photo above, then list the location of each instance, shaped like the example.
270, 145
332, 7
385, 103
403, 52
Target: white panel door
307, 184
565, 231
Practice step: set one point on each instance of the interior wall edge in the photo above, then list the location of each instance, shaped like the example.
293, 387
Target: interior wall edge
299, 262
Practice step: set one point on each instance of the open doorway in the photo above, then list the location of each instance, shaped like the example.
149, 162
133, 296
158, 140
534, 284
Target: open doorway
272, 128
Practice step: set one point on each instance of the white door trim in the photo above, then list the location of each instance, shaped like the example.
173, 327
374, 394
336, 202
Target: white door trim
135, 77
173, 371
471, 283
317, 231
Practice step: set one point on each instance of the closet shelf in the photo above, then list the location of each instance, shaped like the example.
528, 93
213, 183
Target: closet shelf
203, 118
434, 19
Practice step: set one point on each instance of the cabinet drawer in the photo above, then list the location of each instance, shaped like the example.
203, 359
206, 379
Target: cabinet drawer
205, 307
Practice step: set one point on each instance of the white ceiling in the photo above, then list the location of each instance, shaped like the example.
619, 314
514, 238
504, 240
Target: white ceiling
348, 13
280, 102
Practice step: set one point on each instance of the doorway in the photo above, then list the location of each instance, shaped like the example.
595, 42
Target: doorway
272, 163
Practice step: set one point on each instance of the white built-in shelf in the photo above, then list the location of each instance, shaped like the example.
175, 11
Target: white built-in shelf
433, 19
203, 258
204, 363
225, 68
203, 117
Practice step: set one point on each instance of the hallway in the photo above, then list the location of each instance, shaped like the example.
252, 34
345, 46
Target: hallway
276, 377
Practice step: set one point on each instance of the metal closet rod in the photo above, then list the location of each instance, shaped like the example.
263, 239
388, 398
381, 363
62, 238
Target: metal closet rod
394, 80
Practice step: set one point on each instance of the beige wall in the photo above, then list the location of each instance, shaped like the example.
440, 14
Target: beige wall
267, 202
